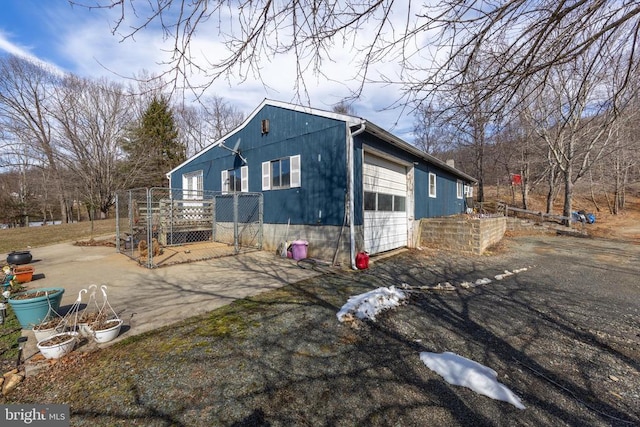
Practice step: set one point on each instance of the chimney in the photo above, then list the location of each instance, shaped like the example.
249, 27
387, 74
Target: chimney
451, 162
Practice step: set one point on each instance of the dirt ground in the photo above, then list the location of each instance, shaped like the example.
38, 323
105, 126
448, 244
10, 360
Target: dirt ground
623, 226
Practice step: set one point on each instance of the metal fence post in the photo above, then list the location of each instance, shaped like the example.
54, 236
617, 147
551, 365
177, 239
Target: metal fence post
213, 218
149, 228
235, 222
117, 223
131, 223
260, 220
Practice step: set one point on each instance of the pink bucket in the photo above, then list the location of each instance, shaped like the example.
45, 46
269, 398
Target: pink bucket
299, 249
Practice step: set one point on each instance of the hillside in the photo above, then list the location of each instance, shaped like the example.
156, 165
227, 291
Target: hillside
624, 226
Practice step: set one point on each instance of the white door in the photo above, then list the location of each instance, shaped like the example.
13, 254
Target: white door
385, 204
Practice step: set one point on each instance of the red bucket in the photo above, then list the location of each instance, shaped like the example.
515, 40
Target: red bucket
362, 261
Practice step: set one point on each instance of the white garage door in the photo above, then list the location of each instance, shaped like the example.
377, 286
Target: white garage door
385, 204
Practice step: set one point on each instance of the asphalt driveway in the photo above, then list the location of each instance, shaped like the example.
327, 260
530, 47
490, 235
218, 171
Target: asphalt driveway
562, 334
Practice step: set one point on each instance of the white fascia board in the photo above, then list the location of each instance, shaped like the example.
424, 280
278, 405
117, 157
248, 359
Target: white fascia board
350, 120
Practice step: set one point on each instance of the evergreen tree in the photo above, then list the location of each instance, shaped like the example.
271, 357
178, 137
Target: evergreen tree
153, 147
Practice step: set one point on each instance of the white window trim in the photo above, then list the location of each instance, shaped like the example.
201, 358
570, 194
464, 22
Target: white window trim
244, 180
192, 185
295, 165
435, 182
468, 190
459, 189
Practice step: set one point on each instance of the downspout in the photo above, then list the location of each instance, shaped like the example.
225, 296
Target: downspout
350, 166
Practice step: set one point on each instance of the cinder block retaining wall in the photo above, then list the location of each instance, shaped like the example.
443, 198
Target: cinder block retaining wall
461, 233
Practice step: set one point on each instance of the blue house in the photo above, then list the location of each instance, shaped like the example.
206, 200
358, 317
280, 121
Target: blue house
337, 181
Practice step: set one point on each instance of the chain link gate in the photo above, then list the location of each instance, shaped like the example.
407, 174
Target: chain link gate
162, 226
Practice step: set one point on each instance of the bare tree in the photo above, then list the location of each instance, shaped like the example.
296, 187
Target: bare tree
93, 117
205, 122
468, 110
535, 35
432, 132
344, 107
617, 171
26, 91
526, 40
574, 121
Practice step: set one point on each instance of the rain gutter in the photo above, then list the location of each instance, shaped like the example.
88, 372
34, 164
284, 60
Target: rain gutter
350, 166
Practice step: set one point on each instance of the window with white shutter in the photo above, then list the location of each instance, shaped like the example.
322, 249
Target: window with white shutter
295, 171
244, 179
281, 173
235, 180
224, 179
266, 176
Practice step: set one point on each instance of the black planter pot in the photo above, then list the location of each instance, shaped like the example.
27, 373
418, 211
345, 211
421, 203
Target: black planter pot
19, 257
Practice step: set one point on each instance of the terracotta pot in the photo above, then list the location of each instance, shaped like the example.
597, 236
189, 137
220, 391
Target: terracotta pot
23, 274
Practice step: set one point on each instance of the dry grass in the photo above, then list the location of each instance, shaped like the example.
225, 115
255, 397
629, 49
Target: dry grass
623, 226
15, 239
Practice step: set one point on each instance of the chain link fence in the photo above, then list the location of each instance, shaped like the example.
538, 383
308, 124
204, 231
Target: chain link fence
163, 226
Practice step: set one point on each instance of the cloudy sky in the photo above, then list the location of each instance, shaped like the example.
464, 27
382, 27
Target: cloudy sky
80, 41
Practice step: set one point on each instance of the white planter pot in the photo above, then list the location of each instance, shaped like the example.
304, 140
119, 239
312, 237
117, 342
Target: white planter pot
106, 335
43, 334
56, 351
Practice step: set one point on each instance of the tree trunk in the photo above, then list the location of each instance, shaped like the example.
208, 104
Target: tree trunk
550, 193
568, 194
525, 186
593, 196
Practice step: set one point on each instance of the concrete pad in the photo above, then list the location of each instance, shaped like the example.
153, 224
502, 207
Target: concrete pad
147, 299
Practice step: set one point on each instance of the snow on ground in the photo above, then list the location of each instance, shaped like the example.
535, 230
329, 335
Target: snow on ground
369, 304
458, 370
453, 368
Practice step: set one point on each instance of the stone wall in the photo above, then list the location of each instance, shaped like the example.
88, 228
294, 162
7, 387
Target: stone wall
462, 233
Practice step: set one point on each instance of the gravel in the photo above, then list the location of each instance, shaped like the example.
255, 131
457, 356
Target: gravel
563, 335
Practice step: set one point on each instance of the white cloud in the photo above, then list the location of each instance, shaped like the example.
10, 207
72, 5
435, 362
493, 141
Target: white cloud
12, 48
86, 46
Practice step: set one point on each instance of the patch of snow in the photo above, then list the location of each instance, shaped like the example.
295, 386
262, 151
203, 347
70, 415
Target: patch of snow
507, 273
444, 286
458, 370
369, 304
484, 281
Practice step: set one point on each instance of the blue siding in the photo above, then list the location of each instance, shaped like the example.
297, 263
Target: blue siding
446, 201
319, 141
